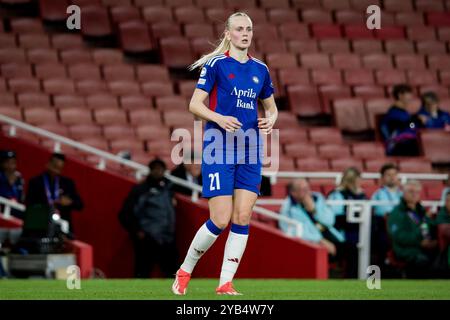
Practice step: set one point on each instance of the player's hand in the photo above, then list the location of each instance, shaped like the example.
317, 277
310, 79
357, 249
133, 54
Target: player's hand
230, 124
265, 125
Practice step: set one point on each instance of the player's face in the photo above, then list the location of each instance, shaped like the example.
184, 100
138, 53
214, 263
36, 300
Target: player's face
55, 167
241, 32
412, 194
390, 178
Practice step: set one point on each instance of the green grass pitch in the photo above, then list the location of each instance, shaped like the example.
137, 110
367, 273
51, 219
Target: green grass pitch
204, 289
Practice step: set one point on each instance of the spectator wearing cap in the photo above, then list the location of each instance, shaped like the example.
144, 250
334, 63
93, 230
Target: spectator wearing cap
399, 126
431, 116
11, 181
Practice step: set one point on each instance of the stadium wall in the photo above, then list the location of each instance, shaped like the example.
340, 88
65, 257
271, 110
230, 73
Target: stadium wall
269, 253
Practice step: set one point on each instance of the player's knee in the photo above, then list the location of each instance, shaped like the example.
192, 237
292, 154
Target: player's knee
242, 217
221, 222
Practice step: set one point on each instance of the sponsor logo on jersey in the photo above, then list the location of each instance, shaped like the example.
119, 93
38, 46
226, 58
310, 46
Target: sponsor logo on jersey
203, 72
231, 76
255, 79
201, 81
249, 93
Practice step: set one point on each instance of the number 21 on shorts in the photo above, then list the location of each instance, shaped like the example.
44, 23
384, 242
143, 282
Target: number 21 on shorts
215, 181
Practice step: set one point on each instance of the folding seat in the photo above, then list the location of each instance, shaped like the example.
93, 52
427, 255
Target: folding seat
377, 61
111, 3
36, 56
320, 135
187, 87
118, 131
7, 99
282, 15
145, 116
267, 46
188, 14
441, 91
56, 128
83, 3
33, 99
110, 116
399, 47
435, 145
19, 85
336, 4
444, 77
398, 6
157, 88
411, 166
306, 4
368, 150
390, 32
95, 142
135, 37
286, 119
421, 77
15, 70
438, 19
2, 85
409, 19
74, 56
409, 61
358, 32
349, 17
86, 87
74, 116
281, 60
38, 116
172, 103
258, 16
154, 14
368, 92
312, 164
367, 46
152, 72
265, 31
50, 70
119, 88
444, 104
350, 115
342, 164
177, 119
306, 46
334, 46
217, 14
304, 100
434, 192
11, 112
165, 29
438, 61
375, 107
26, 25
102, 101
96, 23
123, 144
346, 61
430, 6
176, 52
301, 150
390, 77
208, 4
444, 33
291, 76
53, 11
326, 76
124, 13
326, 31
81, 71
431, 47
332, 151
115, 72
30, 41
62, 101
7, 40
64, 41
316, 16
273, 4
355, 77
291, 135
179, 3
198, 30
105, 56
330, 92
314, 60
420, 32
135, 102
58, 86
293, 31
375, 164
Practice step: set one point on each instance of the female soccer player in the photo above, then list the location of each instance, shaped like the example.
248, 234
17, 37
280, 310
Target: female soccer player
234, 81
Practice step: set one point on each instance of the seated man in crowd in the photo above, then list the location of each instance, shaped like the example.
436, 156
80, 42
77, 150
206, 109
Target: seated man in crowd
399, 126
431, 116
390, 191
189, 171
11, 181
310, 210
413, 233
348, 189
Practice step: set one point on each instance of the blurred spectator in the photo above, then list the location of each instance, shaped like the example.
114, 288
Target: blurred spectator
11, 181
190, 171
446, 190
149, 217
399, 126
309, 208
413, 233
430, 115
444, 214
390, 192
53, 189
349, 189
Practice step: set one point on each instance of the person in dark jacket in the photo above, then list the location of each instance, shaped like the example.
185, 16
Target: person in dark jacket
148, 216
53, 189
399, 126
431, 116
11, 181
189, 171
413, 233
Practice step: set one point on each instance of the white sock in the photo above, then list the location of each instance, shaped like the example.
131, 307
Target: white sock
203, 240
234, 249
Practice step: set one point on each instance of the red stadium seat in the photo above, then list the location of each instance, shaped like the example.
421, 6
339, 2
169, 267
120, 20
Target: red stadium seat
409, 19
398, 6
325, 135
30, 41
438, 61
374, 165
152, 73
342, 164
135, 102
303, 46
176, 119
368, 92
358, 77
42, 56
326, 31
312, 164
82, 71
435, 145
444, 77
346, 61
197, 30
430, 6
420, 32
53, 11
375, 107
390, 32
118, 131
171, 103
110, 116
291, 135
62, 101
18, 85
135, 37
282, 15
33, 99
358, 32
315, 60
270, 4
368, 150
210, 3
97, 143
350, 115
157, 89
7, 99
444, 33
304, 100
377, 61
216, 14
56, 128
151, 132
39, 116
67, 41
200, 46
316, 16
421, 77
107, 56
367, 46
438, 19
269, 46
332, 151
293, 31
431, 47
102, 101
86, 87
409, 61
145, 116
176, 52
349, 17
123, 144
301, 150
50, 70
188, 14
434, 192
390, 77
74, 116
73, 56
81, 131
165, 29
326, 76
399, 47
96, 22
258, 16
334, 46
154, 14
120, 87
286, 119
291, 76
26, 25
281, 60
441, 91
16, 70
118, 72
331, 92
409, 166
265, 31
124, 13
8, 40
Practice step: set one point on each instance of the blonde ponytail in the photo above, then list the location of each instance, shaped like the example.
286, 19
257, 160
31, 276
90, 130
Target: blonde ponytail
222, 47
